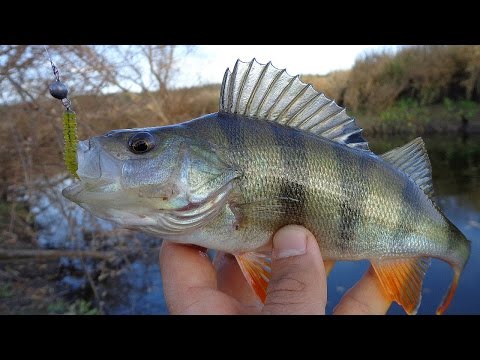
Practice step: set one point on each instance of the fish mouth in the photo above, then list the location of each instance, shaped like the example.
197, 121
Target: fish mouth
88, 159
98, 173
85, 190
72, 192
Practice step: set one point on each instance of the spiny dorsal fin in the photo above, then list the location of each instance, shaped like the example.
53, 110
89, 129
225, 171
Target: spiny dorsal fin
264, 92
412, 159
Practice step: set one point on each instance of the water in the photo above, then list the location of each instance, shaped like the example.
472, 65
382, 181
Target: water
456, 177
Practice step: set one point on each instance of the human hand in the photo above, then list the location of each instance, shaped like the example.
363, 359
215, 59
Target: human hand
193, 285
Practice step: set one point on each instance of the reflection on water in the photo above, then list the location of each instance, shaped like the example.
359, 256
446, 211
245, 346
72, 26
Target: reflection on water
456, 177
139, 291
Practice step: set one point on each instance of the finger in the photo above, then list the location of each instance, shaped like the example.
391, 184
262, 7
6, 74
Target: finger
190, 281
366, 297
231, 281
298, 283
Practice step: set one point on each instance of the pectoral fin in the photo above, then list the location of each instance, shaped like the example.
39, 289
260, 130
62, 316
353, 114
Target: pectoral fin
402, 280
256, 269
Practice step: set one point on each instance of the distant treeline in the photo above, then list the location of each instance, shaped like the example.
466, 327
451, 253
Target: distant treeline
426, 74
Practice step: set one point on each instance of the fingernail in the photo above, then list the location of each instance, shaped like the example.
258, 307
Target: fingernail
289, 242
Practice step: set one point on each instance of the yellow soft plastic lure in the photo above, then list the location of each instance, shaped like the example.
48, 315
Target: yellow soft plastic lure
71, 140
59, 91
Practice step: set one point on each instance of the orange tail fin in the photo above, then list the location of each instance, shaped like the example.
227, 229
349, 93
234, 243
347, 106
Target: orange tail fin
451, 291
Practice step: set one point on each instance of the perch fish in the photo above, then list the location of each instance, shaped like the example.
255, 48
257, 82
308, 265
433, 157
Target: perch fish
277, 152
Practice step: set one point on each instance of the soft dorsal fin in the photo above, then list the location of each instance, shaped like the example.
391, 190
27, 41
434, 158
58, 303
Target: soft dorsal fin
264, 92
412, 159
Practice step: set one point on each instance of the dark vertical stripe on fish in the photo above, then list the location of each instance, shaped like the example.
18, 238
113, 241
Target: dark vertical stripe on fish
232, 129
292, 152
352, 204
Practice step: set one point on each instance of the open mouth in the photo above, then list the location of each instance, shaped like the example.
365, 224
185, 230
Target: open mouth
85, 190
97, 172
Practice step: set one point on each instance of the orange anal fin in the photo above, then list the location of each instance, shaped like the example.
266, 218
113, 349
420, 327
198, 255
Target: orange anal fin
328, 266
256, 269
451, 291
402, 280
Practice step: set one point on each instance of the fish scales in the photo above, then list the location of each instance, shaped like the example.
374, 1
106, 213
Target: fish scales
356, 205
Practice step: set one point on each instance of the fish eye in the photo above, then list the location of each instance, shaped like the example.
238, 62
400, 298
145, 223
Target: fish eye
141, 143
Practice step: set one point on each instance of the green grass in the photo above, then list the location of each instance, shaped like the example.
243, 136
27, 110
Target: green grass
462, 108
79, 307
406, 114
410, 116
5, 291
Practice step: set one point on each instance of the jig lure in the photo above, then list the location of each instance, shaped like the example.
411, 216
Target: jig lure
59, 91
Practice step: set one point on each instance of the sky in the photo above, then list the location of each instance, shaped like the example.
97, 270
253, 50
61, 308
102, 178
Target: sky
208, 63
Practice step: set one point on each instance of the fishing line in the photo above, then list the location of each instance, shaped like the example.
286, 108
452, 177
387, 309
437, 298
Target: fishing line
59, 91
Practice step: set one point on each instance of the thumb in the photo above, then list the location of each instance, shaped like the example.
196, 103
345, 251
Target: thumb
298, 284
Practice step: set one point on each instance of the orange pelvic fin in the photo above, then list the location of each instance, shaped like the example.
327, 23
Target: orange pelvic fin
256, 269
328, 266
451, 291
402, 280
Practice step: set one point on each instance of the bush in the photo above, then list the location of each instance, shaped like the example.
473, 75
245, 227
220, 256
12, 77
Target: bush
461, 109
425, 73
406, 115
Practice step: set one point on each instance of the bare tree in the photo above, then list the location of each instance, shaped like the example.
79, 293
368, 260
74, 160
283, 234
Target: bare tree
148, 69
17, 64
25, 71
145, 67
140, 70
